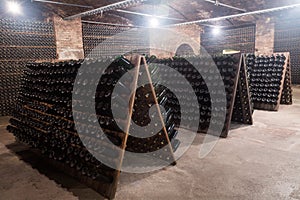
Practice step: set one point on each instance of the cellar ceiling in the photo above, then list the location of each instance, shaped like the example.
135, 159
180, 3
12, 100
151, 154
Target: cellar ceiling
181, 10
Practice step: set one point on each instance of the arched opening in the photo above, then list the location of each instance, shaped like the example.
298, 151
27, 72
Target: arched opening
185, 50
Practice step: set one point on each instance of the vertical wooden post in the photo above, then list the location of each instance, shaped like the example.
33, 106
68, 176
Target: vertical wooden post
136, 60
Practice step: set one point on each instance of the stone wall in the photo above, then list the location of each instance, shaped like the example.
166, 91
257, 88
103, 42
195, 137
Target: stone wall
68, 35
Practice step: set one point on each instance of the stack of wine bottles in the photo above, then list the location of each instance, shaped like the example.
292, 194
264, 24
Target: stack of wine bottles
26, 40
43, 118
94, 36
21, 42
287, 96
287, 33
10, 79
239, 38
206, 77
243, 106
49, 105
143, 102
270, 80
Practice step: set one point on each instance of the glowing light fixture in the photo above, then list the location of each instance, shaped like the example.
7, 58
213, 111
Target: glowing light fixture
14, 7
154, 22
216, 30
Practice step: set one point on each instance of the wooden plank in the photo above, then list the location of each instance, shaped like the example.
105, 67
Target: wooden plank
282, 80
35, 47
248, 116
136, 60
287, 97
230, 110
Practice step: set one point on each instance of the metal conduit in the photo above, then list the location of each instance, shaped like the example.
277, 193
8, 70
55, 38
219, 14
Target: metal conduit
217, 3
238, 15
114, 6
61, 3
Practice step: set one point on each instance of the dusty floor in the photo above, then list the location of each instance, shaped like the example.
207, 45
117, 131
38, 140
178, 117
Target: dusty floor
255, 162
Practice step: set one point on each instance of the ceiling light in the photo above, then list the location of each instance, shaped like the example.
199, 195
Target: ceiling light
216, 30
13, 7
154, 22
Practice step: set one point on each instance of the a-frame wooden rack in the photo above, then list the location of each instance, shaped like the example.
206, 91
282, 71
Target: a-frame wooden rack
108, 190
239, 109
237, 95
106, 183
284, 94
242, 109
238, 102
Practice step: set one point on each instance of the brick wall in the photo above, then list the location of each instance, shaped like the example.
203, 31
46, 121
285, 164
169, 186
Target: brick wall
68, 35
193, 31
265, 33
189, 34
69, 40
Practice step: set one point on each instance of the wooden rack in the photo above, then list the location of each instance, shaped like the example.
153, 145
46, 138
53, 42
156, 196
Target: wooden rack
285, 84
286, 96
103, 186
14, 38
137, 61
238, 101
242, 109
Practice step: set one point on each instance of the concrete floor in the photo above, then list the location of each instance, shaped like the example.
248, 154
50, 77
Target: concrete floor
255, 162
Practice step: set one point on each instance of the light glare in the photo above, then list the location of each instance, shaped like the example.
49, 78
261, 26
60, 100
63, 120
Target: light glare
13, 7
216, 30
154, 22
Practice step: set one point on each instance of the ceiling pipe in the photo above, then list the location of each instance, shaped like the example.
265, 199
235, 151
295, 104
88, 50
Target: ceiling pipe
61, 3
237, 15
113, 6
148, 15
217, 3
109, 24
213, 26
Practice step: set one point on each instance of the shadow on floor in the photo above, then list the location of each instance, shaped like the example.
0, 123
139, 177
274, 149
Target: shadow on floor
33, 158
36, 161
66, 181
83, 192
